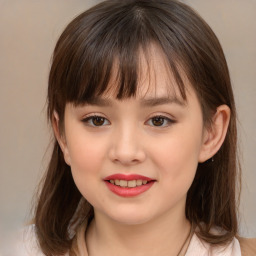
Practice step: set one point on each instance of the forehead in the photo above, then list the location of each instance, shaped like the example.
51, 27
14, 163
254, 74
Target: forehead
155, 78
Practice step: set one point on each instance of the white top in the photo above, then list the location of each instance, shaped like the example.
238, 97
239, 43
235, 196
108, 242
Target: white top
198, 247
27, 246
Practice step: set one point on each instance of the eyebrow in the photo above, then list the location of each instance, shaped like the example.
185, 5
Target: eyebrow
97, 101
152, 102
148, 102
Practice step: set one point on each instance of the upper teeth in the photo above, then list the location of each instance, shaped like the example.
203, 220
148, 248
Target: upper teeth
130, 183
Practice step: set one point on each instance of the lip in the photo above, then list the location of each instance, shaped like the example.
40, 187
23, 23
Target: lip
126, 191
120, 176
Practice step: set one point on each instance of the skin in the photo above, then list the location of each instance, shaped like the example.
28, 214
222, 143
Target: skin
154, 222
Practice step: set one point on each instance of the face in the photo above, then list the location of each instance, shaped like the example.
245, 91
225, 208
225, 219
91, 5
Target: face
116, 146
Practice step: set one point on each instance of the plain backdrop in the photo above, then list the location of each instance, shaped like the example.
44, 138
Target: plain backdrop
28, 32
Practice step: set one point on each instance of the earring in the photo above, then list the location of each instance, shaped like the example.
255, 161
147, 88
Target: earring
210, 160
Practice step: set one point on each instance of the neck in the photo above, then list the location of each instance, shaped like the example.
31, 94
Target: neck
161, 236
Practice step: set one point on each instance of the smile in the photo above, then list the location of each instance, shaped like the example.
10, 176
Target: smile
128, 185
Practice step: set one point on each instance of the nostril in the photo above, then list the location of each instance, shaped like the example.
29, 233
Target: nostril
126, 149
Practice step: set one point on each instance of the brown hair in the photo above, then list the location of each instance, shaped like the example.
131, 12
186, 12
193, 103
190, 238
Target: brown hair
81, 69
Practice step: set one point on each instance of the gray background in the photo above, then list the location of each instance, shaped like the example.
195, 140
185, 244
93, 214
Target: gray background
28, 33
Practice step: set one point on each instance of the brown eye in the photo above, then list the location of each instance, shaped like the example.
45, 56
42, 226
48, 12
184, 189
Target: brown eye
95, 121
98, 120
158, 121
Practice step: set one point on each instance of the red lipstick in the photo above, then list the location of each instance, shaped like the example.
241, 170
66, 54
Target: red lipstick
128, 191
120, 176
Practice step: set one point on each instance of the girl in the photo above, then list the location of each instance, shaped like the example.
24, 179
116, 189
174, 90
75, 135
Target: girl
145, 153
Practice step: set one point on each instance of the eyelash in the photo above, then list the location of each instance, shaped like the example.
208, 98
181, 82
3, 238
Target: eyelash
88, 120
167, 121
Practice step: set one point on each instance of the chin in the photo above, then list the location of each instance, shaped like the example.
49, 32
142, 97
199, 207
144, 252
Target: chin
131, 217
131, 221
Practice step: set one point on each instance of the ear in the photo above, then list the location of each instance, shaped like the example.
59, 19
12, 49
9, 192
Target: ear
214, 136
60, 136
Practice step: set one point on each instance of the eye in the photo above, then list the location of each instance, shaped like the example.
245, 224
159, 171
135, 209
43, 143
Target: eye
96, 121
160, 121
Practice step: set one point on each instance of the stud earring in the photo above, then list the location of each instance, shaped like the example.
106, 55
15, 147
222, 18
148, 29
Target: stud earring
210, 160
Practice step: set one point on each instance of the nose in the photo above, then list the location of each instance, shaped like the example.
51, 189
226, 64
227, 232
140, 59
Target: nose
127, 147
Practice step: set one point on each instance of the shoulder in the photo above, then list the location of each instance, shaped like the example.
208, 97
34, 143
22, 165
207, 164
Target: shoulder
248, 246
199, 247
25, 243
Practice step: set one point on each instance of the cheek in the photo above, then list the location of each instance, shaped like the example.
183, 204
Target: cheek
87, 159
177, 157
86, 154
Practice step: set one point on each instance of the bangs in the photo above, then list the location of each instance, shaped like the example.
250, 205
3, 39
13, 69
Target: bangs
103, 48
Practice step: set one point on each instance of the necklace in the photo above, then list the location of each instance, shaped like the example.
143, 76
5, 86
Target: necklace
185, 245
80, 245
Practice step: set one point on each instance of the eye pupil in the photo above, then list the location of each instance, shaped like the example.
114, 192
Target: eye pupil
98, 121
158, 121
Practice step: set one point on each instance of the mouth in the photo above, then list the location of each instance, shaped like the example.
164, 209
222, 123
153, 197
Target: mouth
128, 185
